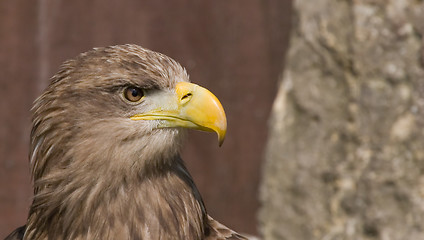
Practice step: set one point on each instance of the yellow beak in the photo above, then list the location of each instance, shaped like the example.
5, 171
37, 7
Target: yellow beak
191, 106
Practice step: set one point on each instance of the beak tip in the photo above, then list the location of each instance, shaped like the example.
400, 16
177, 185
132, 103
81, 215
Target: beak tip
221, 138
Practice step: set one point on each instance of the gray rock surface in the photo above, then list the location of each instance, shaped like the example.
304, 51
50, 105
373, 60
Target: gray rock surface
345, 156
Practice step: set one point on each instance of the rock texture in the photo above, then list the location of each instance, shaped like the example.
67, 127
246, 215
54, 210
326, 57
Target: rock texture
345, 156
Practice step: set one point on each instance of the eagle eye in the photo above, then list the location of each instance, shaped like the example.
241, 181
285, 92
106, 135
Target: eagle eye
133, 94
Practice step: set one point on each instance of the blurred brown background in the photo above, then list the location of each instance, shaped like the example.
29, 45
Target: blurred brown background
234, 48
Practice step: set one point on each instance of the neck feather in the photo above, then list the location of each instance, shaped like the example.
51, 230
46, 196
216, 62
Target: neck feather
147, 205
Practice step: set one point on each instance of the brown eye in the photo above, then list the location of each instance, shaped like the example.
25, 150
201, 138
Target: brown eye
133, 94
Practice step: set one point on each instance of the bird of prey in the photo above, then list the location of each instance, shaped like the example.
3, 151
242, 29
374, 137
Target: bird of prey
105, 146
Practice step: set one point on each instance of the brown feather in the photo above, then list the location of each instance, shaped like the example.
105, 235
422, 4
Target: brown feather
216, 230
18, 234
99, 175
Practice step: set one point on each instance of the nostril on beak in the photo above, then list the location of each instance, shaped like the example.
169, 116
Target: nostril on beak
187, 96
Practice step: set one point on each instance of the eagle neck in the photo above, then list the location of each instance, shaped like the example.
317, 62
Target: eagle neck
163, 202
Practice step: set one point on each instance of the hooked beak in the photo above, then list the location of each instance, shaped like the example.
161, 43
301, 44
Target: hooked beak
191, 106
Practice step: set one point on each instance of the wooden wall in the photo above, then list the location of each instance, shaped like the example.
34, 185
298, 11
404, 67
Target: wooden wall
234, 48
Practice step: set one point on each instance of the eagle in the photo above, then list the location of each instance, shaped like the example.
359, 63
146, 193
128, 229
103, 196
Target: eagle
105, 150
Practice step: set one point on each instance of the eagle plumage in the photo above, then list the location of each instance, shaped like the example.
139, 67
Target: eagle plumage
105, 146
